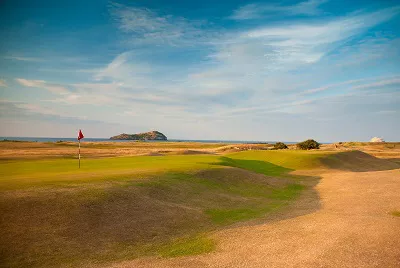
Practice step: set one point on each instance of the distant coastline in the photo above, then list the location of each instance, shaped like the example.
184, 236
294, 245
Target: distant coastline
52, 139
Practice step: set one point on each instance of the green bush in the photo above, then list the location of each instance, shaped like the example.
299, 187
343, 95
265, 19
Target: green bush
308, 145
280, 145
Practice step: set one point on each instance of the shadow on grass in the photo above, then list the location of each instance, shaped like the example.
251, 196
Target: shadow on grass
394, 160
357, 161
298, 198
262, 167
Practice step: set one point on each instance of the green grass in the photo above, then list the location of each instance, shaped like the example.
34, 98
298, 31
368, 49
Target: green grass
280, 162
290, 192
229, 216
187, 246
54, 214
262, 167
277, 198
23, 174
28, 173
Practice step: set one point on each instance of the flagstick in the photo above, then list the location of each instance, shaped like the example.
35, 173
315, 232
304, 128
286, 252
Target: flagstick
79, 153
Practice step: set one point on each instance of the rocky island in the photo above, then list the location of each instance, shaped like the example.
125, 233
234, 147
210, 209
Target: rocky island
151, 135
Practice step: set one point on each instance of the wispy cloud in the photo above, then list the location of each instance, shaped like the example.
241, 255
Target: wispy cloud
53, 88
387, 112
19, 58
257, 66
376, 47
337, 85
309, 42
257, 11
33, 108
247, 69
122, 67
148, 27
248, 74
379, 84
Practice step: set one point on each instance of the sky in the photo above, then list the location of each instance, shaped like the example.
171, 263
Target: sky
228, 70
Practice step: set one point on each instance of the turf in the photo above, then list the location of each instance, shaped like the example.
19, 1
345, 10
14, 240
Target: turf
281, 161
263, 167
187, 246
23, 174
54, 214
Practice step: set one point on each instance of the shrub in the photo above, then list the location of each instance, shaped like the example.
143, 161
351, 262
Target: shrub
280, 145
308, 145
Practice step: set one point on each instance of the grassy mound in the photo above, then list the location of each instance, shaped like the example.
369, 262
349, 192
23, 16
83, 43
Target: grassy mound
289, 159
357, 161
53, 214
281, 162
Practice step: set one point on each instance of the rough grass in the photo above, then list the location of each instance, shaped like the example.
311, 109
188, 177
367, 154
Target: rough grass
187, 246
357, 161
51, 150
53, 214
229, 216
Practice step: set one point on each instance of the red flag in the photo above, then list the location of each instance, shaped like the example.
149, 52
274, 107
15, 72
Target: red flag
80, 135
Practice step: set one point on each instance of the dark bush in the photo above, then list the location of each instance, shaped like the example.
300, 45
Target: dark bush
280, 145
308, 145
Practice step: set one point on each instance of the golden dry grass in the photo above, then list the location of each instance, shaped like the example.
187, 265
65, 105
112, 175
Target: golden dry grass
40, 150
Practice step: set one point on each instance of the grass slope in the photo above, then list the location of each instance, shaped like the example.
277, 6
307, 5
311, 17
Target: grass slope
53, 214
285, 160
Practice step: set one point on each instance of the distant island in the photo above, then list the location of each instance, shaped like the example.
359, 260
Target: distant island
151, 135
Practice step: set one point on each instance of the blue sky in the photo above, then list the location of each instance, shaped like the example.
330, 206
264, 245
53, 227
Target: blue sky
231, 70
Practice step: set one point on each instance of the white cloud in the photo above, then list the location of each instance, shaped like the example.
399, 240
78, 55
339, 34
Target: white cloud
366, 51
387, 112
388, 82
64, 70
249, 70
53, 88
333, 86
148, 27
19, 58
34, 108
256, 11
37, 109
242, 77
124, 69
308, 42
261, 61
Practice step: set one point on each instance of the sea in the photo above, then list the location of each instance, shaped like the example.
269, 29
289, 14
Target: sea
50, 139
